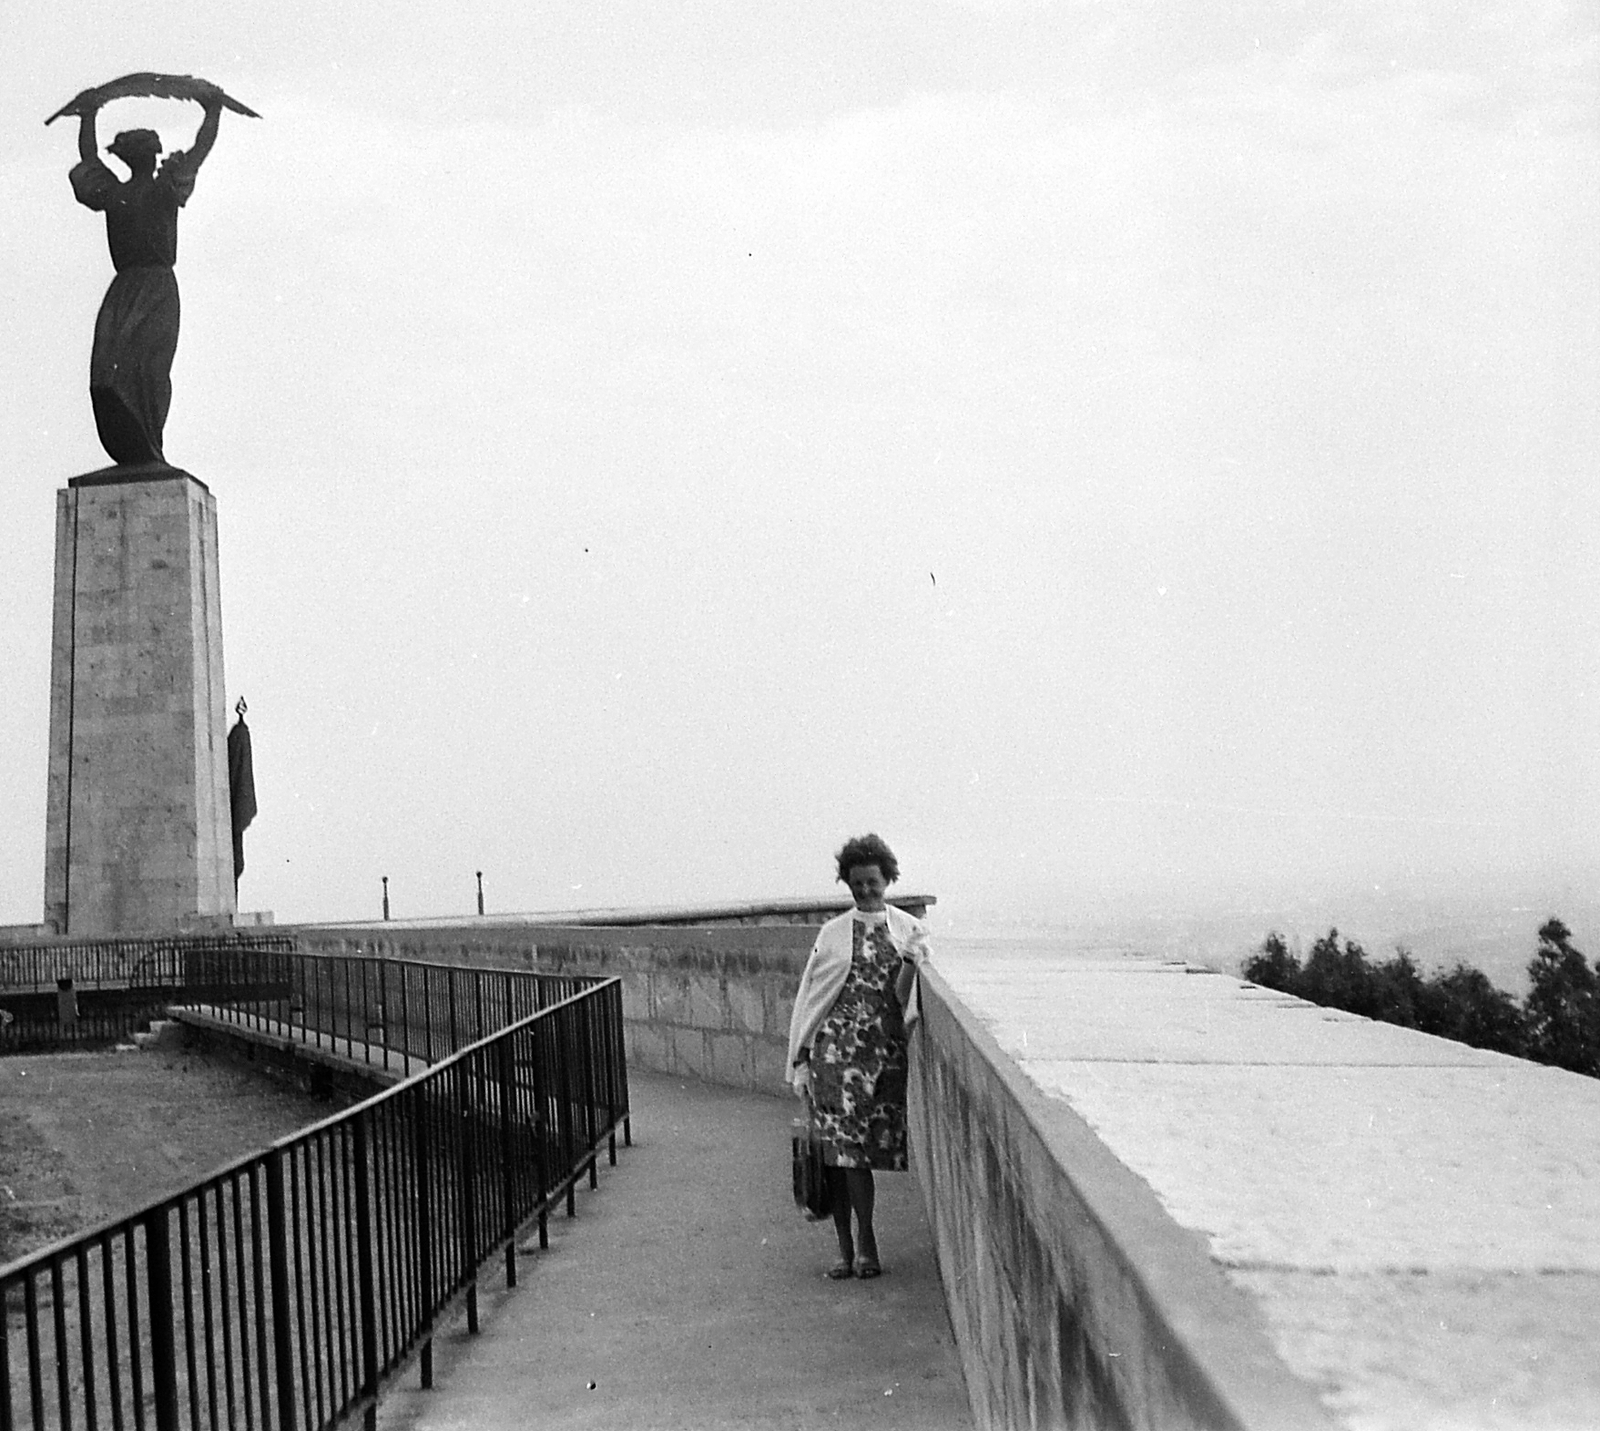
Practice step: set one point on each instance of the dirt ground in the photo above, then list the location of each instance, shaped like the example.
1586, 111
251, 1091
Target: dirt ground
89, 1136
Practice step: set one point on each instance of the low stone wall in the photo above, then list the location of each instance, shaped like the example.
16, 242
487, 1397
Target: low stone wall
712, 1003
1075, 1300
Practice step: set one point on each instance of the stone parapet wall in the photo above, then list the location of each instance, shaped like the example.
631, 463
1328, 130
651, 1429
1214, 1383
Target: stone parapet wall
1075, 1300
711, 1002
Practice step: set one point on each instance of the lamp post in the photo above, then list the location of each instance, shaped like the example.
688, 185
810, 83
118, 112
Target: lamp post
480, 891
385, 896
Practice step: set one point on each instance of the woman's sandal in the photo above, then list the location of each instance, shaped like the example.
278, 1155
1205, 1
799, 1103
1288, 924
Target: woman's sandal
868, 1267
840, 1270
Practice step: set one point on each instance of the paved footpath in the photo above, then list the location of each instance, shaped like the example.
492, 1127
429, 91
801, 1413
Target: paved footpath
688, 1292
1418, 1221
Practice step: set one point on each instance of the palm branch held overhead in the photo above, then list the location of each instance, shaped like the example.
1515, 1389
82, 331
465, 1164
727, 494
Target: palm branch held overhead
136, 331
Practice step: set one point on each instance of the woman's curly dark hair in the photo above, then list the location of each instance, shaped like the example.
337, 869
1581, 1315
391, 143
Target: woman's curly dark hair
867, 850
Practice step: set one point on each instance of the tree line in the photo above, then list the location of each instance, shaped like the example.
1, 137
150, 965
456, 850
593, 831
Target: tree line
1557, 1023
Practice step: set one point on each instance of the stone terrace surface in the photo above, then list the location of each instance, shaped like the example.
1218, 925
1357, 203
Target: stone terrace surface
1418, 1220
690, 1293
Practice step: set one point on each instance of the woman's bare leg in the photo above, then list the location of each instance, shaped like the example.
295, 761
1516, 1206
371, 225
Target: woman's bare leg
839, 1191
863, 1196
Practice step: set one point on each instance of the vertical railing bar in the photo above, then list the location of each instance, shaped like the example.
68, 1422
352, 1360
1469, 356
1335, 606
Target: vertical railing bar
163, 1350
191, 1366
430, 1015
419, 1116
369, 1338
224, 1301
450, 990
400, 1291
135, 1344
108, 1284
317, 1251
351, 1254
405, 1022
91, 1418
295, 1158
330, 1166
6, 1412
586, 1064
469, 1219
30, 1315
344, 1266
207, 1294
507, 1171
349, 1019
540, 1040
378, 1227
453, 1202
611, 1081
278, 1259
404, 1182
366, 1012
622, 1065
58, 1299
563, 1017
263, 1367
242, 1294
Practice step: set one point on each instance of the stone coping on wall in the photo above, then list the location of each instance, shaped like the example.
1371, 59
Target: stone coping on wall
1075, 1297
762, 911
1416, 1221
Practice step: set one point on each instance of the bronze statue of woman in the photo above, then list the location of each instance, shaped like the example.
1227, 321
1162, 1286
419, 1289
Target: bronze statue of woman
136, 333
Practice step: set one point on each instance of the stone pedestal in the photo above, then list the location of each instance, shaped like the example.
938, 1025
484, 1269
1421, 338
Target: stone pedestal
138, 835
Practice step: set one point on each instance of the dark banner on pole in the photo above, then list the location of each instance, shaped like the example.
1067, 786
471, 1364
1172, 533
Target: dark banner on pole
241, 789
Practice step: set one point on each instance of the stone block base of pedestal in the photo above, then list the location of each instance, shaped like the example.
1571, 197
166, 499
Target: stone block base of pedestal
138, 835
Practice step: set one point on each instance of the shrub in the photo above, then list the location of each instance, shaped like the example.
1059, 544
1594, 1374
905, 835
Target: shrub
1559, 1023
1274, 967
1465, 1005
1563, 1006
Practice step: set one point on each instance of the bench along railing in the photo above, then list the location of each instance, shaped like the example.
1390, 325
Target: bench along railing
282, 1292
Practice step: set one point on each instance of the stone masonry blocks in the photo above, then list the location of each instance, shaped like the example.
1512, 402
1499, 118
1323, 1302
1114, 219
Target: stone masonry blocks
707, 1005
746, 1007
669, 998
138, 832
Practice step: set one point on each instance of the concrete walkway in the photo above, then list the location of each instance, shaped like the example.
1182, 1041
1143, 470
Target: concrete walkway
689, 1292
1418, 1221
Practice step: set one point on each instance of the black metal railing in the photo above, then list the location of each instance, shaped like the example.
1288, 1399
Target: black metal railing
370, 1010
282, 1291
120, 963
64, 995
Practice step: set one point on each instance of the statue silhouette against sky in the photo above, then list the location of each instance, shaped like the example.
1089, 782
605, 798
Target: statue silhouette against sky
136, 332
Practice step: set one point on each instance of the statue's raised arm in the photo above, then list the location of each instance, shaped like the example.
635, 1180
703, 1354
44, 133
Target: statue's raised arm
136, 333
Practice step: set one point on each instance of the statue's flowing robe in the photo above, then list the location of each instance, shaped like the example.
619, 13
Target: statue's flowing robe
136, 332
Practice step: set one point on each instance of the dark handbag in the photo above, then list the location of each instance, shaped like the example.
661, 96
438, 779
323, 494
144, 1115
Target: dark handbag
810, 1173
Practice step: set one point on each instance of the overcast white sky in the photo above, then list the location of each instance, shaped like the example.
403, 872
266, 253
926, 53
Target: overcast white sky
1125, 451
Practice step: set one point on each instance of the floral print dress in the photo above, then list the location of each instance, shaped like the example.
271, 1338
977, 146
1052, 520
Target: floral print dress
858, 1059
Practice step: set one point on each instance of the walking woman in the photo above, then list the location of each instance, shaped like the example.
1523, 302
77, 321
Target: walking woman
847, 1043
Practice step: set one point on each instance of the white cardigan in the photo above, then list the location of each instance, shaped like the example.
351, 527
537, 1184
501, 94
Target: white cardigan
829, 966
